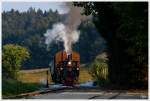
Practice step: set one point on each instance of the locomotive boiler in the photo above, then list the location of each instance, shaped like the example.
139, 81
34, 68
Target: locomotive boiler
66, 68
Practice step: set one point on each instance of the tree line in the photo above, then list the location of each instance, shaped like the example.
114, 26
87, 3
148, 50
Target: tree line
27, 29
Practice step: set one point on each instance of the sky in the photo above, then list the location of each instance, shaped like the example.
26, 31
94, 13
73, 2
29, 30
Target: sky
24, 6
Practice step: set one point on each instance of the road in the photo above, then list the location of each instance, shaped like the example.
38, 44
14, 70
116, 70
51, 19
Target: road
91, 95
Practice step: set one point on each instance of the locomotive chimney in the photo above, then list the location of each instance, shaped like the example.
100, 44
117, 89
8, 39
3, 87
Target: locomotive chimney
69, 56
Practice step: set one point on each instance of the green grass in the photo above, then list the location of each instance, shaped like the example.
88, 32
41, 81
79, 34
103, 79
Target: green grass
13, 87
28, 81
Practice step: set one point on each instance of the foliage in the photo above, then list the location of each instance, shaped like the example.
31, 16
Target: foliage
99, 72
91, 41
124, 25
27, 29
12, 57
99, 69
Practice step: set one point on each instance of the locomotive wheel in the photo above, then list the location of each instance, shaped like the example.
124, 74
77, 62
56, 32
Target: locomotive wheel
56, 78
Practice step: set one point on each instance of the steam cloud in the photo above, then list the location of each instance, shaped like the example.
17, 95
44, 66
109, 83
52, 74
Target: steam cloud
59, 32
66, 31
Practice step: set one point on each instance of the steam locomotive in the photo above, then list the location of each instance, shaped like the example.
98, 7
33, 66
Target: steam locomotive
66, 68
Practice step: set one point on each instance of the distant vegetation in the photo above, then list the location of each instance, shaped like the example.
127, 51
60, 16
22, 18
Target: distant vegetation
27, 29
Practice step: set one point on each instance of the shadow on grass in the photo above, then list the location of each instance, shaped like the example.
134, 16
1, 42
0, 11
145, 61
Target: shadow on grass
13, 87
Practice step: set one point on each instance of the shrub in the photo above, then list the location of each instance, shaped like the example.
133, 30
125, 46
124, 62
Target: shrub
99, 72
12, 57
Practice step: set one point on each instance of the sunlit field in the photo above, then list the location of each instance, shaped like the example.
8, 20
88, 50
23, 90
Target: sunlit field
40, 76
34, 76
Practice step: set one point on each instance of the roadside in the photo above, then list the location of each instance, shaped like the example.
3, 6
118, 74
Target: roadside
13, 87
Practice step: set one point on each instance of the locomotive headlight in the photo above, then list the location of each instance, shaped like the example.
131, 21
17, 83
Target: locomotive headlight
69, 63
77, 68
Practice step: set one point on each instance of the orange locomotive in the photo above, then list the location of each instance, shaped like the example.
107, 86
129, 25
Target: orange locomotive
66, 68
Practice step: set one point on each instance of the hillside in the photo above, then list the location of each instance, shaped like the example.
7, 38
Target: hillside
28, 28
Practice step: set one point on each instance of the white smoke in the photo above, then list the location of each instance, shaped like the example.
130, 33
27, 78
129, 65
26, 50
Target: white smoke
67, 32
62, 33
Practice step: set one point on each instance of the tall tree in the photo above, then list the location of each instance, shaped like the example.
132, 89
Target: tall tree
125, 27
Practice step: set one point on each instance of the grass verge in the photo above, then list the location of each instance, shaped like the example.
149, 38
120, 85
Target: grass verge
13, 87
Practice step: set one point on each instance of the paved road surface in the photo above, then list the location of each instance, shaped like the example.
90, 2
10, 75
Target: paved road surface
91, 95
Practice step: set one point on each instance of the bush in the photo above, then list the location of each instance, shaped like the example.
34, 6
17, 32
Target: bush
12, 57
99, 72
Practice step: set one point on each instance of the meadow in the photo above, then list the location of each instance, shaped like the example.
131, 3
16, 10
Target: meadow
40, 76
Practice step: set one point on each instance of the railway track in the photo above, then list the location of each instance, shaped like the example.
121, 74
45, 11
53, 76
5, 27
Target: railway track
89, 93
78, 92
106, 93
43, 91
